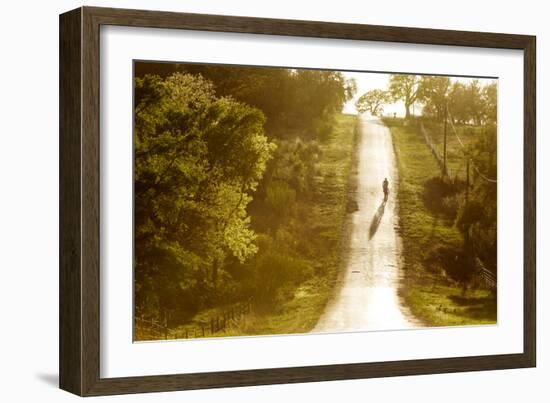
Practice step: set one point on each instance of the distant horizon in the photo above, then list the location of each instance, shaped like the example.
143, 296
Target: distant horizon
367, 81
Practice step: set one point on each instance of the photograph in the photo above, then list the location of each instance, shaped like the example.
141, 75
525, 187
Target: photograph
278, 200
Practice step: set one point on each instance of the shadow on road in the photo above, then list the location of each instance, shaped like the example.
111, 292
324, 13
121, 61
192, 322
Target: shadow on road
376, 219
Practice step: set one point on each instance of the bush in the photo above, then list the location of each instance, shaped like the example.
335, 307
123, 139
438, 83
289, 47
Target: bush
280, 198
450, 205
441, 196
452, 260
274, 269
470, 213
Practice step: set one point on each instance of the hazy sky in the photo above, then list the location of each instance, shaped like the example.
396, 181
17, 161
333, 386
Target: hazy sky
370, 81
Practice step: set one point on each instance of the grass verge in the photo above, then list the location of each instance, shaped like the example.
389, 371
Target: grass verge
320, 219
430, 294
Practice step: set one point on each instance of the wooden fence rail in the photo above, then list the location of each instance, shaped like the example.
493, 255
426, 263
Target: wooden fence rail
485, 276
211, 326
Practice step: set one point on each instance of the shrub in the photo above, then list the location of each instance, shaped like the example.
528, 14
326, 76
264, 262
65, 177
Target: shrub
470, 213
441, 196
451, 260
280, 198
274, 269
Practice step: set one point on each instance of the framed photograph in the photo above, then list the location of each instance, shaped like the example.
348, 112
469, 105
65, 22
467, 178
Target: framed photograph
249, 201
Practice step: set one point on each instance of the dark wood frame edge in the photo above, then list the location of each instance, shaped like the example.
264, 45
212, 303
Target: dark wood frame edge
79, 200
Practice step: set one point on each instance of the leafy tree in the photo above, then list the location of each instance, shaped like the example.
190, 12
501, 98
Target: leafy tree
474, 101
477, 217
211, 186
433, 92
473, 104
372, 101
198, 158
489, 97
458, 105
296, 103
313, 99
404, 87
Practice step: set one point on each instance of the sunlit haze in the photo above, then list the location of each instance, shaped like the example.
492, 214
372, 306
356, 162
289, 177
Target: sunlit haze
370, 81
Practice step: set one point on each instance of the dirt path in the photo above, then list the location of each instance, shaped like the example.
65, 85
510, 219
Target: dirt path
367, 298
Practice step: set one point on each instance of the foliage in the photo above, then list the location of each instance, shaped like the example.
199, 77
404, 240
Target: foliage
197, 159
489, 97
296, 102
305, 244
276, 266
372, 101
405, 87
436, 264
216, 199
441, 196
433, 92
473, 104
473, 110
279, 200
477, 218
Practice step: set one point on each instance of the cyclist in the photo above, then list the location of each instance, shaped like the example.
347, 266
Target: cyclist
385, 187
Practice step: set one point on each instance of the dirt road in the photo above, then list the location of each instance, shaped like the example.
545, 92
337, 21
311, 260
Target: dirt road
367, 298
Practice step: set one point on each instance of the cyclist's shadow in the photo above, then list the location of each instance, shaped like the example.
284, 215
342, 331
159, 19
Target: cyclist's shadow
377, 218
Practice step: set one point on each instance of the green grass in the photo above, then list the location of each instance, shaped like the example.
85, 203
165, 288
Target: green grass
444, 305
456, 161
432, 297
320, 219
298, 314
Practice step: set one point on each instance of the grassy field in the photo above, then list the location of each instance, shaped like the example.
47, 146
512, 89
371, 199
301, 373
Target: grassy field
456, 162
430, 294
319, 219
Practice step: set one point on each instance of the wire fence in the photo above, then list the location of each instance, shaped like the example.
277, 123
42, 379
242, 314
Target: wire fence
445, 170
466, 154
441, 159
483, 276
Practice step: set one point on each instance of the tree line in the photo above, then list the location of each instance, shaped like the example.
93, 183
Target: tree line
221, 155
470, 102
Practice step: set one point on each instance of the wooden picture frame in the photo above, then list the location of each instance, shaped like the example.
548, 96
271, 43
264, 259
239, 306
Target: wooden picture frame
79, 346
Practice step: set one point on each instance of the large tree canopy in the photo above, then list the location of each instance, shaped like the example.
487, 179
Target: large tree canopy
223, 155
473, 103
433, 92
197, 158
296, 102
404, 87
372, 101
